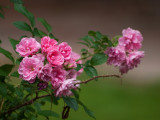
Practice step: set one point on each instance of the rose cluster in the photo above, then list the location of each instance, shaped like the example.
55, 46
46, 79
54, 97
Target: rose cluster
126, 54
51, 63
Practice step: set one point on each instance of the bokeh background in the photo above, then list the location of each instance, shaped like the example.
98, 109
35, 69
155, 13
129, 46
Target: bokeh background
138, 98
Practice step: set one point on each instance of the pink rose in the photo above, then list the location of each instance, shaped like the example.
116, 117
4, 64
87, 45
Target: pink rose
65, 88
45, 73
132, 60
71, 74
55, 58
48, 44
29, 68
131, 39
58, 76
27, 46
70, 63
116, 55
40, 56
75, 57
65, 50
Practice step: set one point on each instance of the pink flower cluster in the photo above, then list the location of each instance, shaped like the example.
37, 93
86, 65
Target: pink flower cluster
50, 62
126, 55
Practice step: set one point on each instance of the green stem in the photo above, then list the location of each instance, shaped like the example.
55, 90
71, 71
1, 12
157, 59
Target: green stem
1, 106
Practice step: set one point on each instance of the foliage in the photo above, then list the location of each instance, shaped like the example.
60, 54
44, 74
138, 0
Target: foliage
25, 100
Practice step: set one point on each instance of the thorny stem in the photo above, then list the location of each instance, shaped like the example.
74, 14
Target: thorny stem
39, 97
101, 76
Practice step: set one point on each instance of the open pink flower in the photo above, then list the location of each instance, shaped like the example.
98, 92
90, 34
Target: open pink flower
29, 68
132, 60
48, 44
58, 76
40, 56
116, 55
45, 73
70, 63
65, 50
131, 39
27, 46
66, 86
75, 57
55, 58
71, 74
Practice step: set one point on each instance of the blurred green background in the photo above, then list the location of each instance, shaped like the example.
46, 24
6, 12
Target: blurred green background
138, 97
109, 100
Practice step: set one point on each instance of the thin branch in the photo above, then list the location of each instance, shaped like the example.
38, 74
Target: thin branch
39, 97
26, 103
101, 76
1, 106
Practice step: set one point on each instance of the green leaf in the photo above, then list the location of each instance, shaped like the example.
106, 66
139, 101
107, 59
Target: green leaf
10, 87
115, 40
3, 89
17, 1
48, 113
13, 43
84, 50
45, 24
92, 33
7, 54
87, 63
39, 33
18, 60
106, 40
98, 59
71, 102
30, 115
36, 32
42, 33
1, 15
37, 105
52, 36
83, 43
19, 92
79, 66
2, 78
99, 35
22, 26
0, 41
5, 69
85, 39
20, 8
52, 99
75, 93
15, 74
90, 71
89, 112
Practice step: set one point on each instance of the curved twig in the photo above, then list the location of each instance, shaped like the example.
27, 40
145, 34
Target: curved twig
38, 97
101, 76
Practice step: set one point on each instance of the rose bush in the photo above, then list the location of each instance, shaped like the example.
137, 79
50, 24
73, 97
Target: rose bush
49, 69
